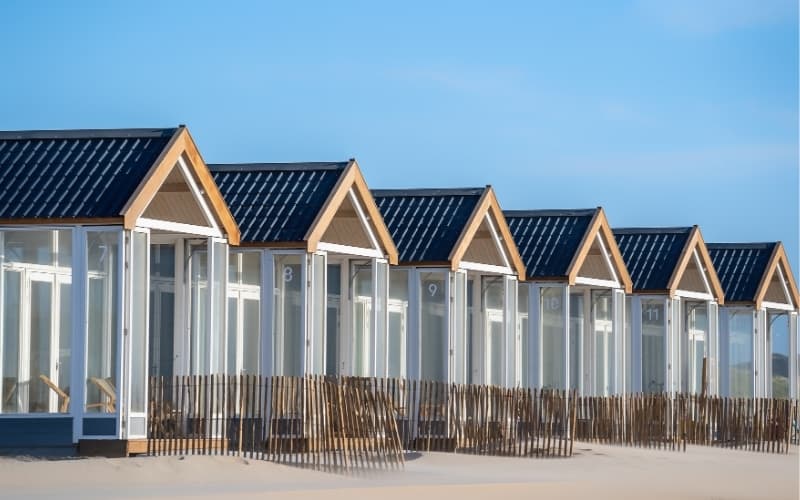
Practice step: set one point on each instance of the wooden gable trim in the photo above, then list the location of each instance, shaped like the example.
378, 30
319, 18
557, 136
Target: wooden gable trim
599, 225
374, 214
778, 258
695, 241
181, 143
351, 178
488, 204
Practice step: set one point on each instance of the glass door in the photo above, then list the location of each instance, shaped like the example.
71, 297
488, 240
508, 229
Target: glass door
493, 330
696, 317
603, 342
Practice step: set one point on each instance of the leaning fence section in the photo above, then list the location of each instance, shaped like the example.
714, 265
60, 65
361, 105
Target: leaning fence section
349, 422
672, 421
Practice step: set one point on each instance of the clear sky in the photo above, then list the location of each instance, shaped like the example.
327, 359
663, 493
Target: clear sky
672, 112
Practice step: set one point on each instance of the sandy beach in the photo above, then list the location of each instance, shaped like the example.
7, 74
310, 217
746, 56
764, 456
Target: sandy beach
595, 472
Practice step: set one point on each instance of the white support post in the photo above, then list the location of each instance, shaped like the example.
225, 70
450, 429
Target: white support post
565, 354
535, 332
794, 391
414, 310
723, 364
635, 328
510, 324
267, 320
79, 331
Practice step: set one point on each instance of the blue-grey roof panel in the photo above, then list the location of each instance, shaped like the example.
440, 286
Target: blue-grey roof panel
651, 254
548, 239
425, 224
276, 202
74, 173
740, 267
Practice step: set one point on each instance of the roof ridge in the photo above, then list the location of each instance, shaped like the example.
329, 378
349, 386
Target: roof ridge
109, 133
277, 166
428, 192
748, 245
551, 212
652, 230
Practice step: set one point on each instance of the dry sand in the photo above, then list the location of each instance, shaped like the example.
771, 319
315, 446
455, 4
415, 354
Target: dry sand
595, 472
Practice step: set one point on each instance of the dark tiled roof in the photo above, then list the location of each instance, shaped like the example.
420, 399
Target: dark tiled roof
74, 173
548, 239
740, 267
651, 254
425, 223
275, 202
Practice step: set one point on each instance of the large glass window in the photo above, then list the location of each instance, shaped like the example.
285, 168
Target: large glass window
576, 328
398, 323
103, 312
288, 315
36, 332
524, 334
138, 318
460, 330
553, 323
778, 324
654, 345
604, 342
200, 304
433, 326
493, 298
244, 313
333, 319
362, 319
696, 315
218, 302
318, 314
381, 318
740, 353
162, 310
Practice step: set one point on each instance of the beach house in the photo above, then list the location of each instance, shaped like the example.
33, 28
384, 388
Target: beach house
452, 299
308, 285
90, 222
758, 324
571, 303
671, 319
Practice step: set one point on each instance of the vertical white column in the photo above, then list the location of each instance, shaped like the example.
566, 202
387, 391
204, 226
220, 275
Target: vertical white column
723, 363
79, 331
635, 328
510, 324
712, 364
535, 332
414, 309
794, 391
565, 354
267, 305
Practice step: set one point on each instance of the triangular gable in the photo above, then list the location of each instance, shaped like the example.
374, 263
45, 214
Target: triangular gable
350, 218
486, 238
695, 271
777, 286
181, 174
598, 259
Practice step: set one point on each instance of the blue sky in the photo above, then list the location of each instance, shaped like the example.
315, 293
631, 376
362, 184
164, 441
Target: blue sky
665, 113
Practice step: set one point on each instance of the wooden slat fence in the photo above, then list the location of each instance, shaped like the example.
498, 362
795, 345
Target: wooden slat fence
672, 421
352, 423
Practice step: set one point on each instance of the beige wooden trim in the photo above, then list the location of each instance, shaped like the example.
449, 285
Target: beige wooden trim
62, 221
487, 204
294, 245
378, 224
219, 206
180, 143
695, 240
778, 258
328, 211
351, 177
600, 225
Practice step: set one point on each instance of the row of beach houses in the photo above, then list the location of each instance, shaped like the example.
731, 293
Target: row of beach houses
124, 255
